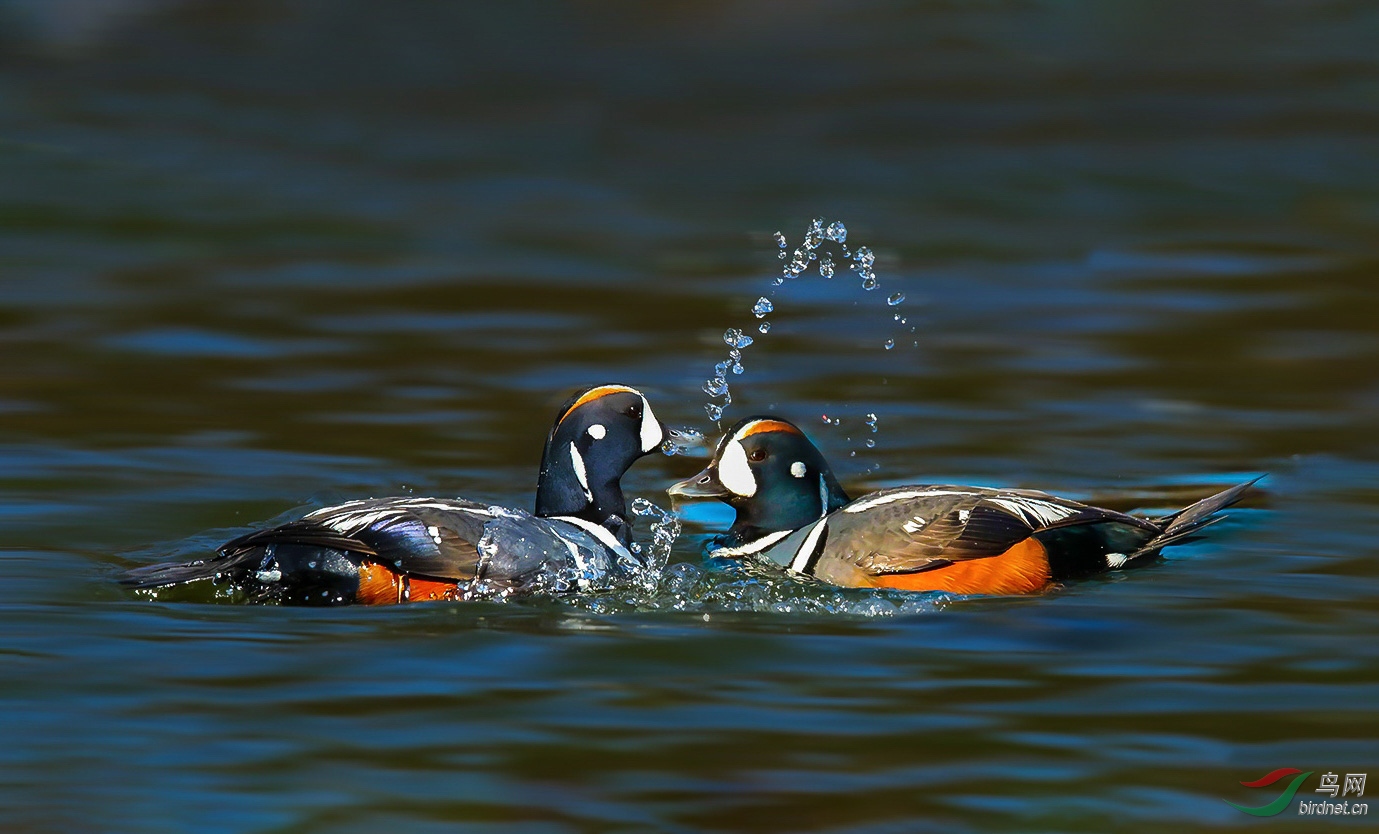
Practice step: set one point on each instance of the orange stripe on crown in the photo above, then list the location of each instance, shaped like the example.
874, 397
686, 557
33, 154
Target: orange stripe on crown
595, 394
761, 426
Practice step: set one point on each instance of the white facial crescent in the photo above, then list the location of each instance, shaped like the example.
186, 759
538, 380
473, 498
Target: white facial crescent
734, 472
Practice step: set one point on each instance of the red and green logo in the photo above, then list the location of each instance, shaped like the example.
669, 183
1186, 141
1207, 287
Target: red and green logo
1284, 798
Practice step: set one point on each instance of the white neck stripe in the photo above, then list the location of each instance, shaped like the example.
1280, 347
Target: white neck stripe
802, 556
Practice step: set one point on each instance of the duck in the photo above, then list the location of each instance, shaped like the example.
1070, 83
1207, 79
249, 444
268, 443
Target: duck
408, 549
793, 515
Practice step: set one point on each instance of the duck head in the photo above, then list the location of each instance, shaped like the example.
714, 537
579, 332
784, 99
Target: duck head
767, 470
598, 434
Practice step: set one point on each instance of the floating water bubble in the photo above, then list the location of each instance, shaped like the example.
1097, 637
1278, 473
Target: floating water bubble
778, 280
735, 356
871, 444
814, 235
780, 242
869, 281
895, 298
890, 343
716, 387
864, 257
735, 338
799, 262
764, 327
836, 231
721, 369
762, 307
714, 411
870, 420
826, 267
900, 318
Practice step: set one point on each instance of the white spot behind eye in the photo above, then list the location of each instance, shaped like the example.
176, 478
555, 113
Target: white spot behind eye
798, 469
597, 431
733, 471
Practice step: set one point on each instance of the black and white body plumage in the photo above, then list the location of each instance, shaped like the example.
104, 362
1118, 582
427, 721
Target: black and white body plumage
383, 550
792, 513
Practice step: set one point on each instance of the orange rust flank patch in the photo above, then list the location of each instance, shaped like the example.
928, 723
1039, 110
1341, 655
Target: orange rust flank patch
763, 426
1023, 569
379, 585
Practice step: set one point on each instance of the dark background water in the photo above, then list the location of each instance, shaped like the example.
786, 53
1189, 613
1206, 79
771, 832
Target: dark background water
258, 255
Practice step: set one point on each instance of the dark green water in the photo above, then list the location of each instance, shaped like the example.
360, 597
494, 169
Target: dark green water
255, 256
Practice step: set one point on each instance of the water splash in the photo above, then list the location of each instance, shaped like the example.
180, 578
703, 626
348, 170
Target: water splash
728, 586
650, 563
824, 244
681, 439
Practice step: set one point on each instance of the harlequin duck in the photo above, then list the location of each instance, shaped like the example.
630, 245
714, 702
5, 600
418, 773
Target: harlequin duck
393, 550
792, 513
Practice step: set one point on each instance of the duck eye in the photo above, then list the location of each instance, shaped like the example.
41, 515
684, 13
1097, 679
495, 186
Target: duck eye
631, 411
757, 455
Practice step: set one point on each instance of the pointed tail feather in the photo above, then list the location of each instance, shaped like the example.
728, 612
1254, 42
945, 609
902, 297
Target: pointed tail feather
164, 575
1185, 524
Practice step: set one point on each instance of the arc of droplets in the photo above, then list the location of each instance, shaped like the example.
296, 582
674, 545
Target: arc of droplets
862, 261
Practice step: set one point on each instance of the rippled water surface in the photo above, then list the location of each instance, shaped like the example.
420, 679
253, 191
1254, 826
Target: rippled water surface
256, 257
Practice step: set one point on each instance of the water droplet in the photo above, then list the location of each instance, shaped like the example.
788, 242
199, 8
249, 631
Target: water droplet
762, 307
900, 318
735, 338
836, 231
815, 234
764, 327
869, 281
780, 241
896, 299
714, 411
827, 420
778, 280
852, 454
716, 387
826, 267
890, 343
799, 262
870, 420
864, 257
871, 444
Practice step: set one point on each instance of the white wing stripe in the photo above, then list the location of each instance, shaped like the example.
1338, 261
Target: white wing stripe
905, 495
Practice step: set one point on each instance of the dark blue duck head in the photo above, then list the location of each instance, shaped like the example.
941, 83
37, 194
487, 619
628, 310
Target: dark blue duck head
767, 470
598, 434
